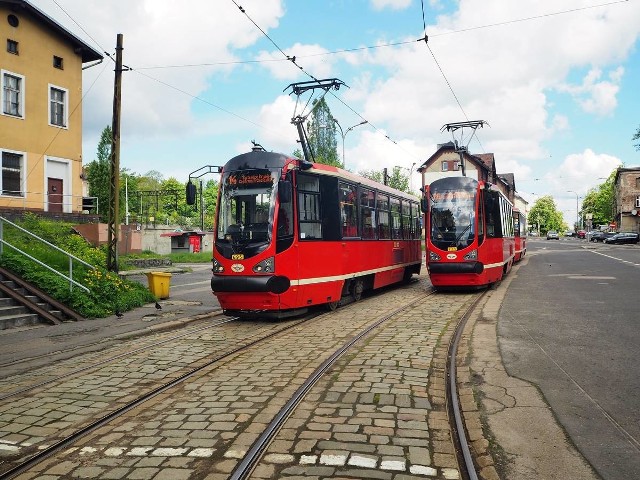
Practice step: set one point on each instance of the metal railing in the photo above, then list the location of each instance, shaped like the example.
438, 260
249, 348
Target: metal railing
70, 257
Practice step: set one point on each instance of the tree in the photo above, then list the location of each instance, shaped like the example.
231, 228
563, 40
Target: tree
546, 216
636, 136
397, 179
322, 135
99, 172
600, 202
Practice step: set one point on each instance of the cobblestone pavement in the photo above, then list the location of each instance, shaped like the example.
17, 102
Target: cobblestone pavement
379, 413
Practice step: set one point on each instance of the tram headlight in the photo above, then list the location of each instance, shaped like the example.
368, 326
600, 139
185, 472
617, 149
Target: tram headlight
265, 266
434, 257
217, 267
472, 255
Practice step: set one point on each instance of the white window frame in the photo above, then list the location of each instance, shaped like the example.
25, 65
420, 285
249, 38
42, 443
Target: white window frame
65, 106
23, 85
445, 166
638, 201
23, 169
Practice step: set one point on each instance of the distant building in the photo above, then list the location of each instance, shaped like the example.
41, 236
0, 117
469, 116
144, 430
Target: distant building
41, 111
445, 162
627, 193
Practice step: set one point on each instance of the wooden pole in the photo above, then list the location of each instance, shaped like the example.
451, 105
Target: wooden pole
114, 191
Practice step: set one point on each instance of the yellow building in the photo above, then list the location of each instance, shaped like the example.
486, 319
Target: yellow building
41, 111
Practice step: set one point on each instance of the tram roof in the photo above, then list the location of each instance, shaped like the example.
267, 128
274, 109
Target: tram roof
270, 160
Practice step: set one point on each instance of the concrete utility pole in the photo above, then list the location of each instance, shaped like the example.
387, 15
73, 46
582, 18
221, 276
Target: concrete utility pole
114, 190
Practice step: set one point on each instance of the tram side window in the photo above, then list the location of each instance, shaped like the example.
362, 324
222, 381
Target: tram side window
368, 214
493, 214
415, 221
309, 207
348, 210
406, 220
382, 206
396, 231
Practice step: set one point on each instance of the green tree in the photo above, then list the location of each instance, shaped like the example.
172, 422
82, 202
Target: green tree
545, 214
321, 129
600, 202
99, 172
636, 136
397, 179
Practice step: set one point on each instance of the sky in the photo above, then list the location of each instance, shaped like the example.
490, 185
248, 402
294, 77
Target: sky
557, 82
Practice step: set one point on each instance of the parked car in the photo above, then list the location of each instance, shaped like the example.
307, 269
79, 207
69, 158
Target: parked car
623, 237
582, 234
600, 236
569, 233
553, 235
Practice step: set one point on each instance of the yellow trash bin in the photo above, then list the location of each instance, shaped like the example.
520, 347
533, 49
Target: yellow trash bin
159, 283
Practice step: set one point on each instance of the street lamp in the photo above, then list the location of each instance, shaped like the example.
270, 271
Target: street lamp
577, 211
344, 134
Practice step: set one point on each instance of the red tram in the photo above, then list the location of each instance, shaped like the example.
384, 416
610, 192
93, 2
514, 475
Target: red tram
469, 233
291, 234
520, 234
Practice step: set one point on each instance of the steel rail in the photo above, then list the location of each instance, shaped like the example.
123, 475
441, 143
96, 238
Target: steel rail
109, 359
458, 429
84, 431
248, 463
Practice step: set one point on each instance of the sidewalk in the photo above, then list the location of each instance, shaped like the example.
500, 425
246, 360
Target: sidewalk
193, 301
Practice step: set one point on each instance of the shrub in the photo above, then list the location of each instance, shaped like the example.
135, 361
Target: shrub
107, 294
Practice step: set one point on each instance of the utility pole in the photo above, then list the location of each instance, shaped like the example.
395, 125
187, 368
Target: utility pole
114, 190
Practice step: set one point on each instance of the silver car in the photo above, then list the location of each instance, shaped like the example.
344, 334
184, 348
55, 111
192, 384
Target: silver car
553, 235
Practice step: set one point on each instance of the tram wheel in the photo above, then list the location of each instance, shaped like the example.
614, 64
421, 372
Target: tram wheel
331, 306
356, 289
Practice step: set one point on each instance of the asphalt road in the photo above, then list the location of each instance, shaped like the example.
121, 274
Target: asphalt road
570, 324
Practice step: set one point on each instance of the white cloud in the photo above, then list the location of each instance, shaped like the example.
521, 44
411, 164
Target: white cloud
595, 95
392, 4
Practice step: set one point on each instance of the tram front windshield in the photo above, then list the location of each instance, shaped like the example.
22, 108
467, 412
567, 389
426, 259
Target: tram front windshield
247, 205
452, 217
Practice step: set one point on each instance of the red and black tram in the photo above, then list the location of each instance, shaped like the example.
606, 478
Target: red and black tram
469, 233
520, 234
291, 234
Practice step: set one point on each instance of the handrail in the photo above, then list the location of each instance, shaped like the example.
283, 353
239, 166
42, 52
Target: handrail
71, 257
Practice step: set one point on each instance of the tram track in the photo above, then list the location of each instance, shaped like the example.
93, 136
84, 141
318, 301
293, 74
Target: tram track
112, 358
456, 418
247, 465
84, 429
196, 380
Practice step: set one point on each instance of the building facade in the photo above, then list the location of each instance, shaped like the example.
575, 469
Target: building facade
41, 111
627, 193
445, 162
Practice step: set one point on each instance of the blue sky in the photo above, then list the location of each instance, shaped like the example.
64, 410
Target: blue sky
557, 81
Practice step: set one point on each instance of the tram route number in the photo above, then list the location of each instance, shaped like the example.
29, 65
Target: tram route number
237, 256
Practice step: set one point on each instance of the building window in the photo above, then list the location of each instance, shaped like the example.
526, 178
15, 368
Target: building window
58, 101
456, 166
638, 201
12, 94
57, 62
12, 169
637, 182
12, 46
445, 166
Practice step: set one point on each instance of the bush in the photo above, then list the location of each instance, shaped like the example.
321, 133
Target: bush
107, 294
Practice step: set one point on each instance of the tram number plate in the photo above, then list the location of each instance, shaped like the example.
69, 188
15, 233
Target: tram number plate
237, 256
452, 249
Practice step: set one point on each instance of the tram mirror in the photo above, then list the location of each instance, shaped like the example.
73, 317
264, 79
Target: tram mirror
424, 205
285, 191
191, 193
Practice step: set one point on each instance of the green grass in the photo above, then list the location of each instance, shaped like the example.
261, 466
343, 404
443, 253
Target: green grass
107, 291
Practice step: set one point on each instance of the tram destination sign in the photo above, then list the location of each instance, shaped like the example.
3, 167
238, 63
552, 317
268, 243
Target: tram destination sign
250, 179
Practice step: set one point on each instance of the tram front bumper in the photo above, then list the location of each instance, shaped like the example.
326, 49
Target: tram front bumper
272, 283
456, 267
